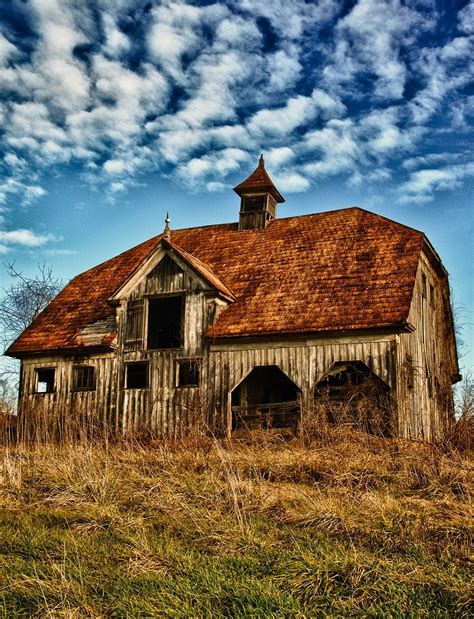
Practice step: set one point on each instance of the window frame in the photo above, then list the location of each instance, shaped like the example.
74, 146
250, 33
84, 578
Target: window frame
37, 381
182, 361
77, 368
127, 364
167, 295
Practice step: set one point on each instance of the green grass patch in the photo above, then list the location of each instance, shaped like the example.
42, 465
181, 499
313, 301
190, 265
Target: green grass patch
201, 532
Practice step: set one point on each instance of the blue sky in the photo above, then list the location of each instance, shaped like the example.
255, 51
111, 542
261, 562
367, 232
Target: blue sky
114, 111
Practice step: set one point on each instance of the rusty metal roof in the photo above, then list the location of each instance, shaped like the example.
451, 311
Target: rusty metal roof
328, 272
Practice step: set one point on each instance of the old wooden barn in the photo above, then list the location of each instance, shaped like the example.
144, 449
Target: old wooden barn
248, 325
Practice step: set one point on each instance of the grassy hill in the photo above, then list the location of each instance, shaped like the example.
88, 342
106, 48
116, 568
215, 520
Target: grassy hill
349, 526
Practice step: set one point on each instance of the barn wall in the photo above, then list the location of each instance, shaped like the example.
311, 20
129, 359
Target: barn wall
303, 361
427, 359
67, 412
421, 385
167, 410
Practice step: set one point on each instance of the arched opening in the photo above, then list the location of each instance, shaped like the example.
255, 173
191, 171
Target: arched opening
349, 393
265, 400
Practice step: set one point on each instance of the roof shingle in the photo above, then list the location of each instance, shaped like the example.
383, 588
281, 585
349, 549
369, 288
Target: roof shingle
333, 271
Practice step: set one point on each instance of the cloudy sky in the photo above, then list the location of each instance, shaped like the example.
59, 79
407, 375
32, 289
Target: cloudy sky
114, 111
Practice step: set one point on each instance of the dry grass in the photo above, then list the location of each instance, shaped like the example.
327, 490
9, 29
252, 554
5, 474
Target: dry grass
352, 526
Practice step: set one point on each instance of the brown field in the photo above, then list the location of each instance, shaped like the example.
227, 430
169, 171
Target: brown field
346, 525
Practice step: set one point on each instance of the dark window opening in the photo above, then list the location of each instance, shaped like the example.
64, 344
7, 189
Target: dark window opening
84, 378
265, 400
254, 204
432, 296
136, 375
188, 373
429, 383
45, 380
423, 286
165, 318
410, 372
351, 394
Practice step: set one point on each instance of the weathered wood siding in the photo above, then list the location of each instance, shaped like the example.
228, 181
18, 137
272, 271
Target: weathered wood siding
165, 409
68, 412
303, 361
427, 359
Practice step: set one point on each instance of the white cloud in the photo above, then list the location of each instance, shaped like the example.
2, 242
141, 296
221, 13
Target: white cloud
291, 182
278, 156
430, 159
444, 69
219, 83
117, 43
284, 68
7, 50
383, 134
422, 184
369, 40
334, 148
28, 193
466, 18
212, 166
298, 111
24, 237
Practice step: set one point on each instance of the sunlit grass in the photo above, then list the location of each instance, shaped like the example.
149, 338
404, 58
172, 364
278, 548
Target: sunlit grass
357, 526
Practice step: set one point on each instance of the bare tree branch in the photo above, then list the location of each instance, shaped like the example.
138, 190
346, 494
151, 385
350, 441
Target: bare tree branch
20, 303
25, 298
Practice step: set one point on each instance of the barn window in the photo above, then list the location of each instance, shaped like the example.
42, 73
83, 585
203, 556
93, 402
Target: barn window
165, 318
423, 285
45, 380
136, 375
432, 296
254, 204
188, 373
84, 378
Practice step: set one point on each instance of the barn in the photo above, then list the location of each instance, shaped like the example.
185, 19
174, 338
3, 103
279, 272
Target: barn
249, 326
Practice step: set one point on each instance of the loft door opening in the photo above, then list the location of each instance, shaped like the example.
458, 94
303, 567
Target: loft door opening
165, 322
265, 400
351, 394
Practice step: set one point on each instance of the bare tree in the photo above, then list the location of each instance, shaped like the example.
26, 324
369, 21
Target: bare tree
25, 298
21, 302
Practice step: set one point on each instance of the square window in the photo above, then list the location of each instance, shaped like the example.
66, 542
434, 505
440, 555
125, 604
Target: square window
188, 373
84, 378
165, 318
136, 375
45, 380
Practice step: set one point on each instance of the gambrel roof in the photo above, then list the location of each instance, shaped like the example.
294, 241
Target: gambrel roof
329, 272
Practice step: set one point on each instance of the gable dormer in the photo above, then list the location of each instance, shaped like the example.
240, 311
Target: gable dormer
258, 199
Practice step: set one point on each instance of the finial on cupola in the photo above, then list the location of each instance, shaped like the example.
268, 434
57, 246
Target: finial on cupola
261, 161
167, 230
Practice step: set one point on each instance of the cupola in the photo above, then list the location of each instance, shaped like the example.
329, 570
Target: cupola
258, 199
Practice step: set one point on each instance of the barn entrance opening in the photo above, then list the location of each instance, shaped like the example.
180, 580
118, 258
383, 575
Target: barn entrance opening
351, 394
266, 400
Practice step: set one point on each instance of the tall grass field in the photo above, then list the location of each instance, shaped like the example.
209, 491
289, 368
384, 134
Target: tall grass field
346, 526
